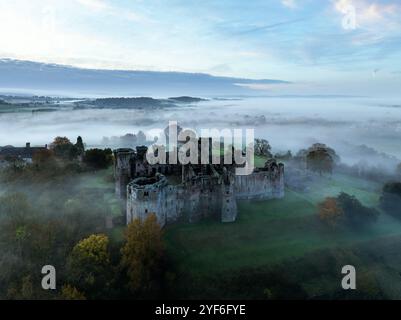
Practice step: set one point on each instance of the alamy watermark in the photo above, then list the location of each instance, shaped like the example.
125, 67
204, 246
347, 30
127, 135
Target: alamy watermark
349, 280
49, 280
349, 20
184, 146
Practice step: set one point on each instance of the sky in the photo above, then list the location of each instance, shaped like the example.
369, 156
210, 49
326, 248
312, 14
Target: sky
331, 46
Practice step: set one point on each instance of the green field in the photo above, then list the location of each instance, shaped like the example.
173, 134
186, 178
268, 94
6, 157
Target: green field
269, 232
210, 259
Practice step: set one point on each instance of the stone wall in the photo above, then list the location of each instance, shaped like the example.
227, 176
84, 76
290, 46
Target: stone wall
170, 203
204, 191
200, 198
261, 185
228, 198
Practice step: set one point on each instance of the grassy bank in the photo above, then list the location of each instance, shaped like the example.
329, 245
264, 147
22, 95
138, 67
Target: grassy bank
268, 233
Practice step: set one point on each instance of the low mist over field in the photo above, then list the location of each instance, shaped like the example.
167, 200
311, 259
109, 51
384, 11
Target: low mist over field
351, 125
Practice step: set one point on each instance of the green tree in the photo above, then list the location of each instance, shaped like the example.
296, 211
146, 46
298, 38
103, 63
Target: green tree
16, 213
355, 213
89, 267
319, 161
390, 200
98, 159
262, 148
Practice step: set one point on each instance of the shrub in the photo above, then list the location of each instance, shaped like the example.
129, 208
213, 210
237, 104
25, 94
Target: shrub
346, 210
98, 159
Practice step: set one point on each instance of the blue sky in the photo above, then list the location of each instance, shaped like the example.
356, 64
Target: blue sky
333, 46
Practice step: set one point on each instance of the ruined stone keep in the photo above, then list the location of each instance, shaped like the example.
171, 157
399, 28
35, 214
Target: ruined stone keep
189, 192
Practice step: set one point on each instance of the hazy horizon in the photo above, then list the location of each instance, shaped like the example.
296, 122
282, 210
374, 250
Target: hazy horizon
287, 123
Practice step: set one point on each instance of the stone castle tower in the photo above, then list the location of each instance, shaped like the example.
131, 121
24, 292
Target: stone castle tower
229, 202
122, 170
190, 192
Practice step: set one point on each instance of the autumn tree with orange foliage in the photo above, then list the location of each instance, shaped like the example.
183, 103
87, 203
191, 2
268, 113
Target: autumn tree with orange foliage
142, 254
330, 212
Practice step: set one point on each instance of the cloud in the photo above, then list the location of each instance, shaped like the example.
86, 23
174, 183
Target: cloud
102, 6
369, 13
289, 3
36, 31
94, 4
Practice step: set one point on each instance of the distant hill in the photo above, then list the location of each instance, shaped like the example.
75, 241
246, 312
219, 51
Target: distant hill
49, 79
124, 103
186, 99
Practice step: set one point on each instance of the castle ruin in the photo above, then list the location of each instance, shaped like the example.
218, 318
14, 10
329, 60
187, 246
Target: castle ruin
189, 192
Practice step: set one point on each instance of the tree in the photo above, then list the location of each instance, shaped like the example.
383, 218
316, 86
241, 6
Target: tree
390, 200
24, 232
43, 158
143, 253
80, 146
22, 290
89, 266
14, 204
330, 212
63, 148
60, 141
355, 213
330, 151
16, 164
284, 156
69, 292
98, 159
347, 211
319, 161
262, 148
93, 249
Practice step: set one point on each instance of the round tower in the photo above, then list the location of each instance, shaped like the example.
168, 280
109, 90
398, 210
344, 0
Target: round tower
147, 196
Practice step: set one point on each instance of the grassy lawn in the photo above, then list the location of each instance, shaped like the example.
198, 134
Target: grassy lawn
367, 192
268, 232
259, 161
